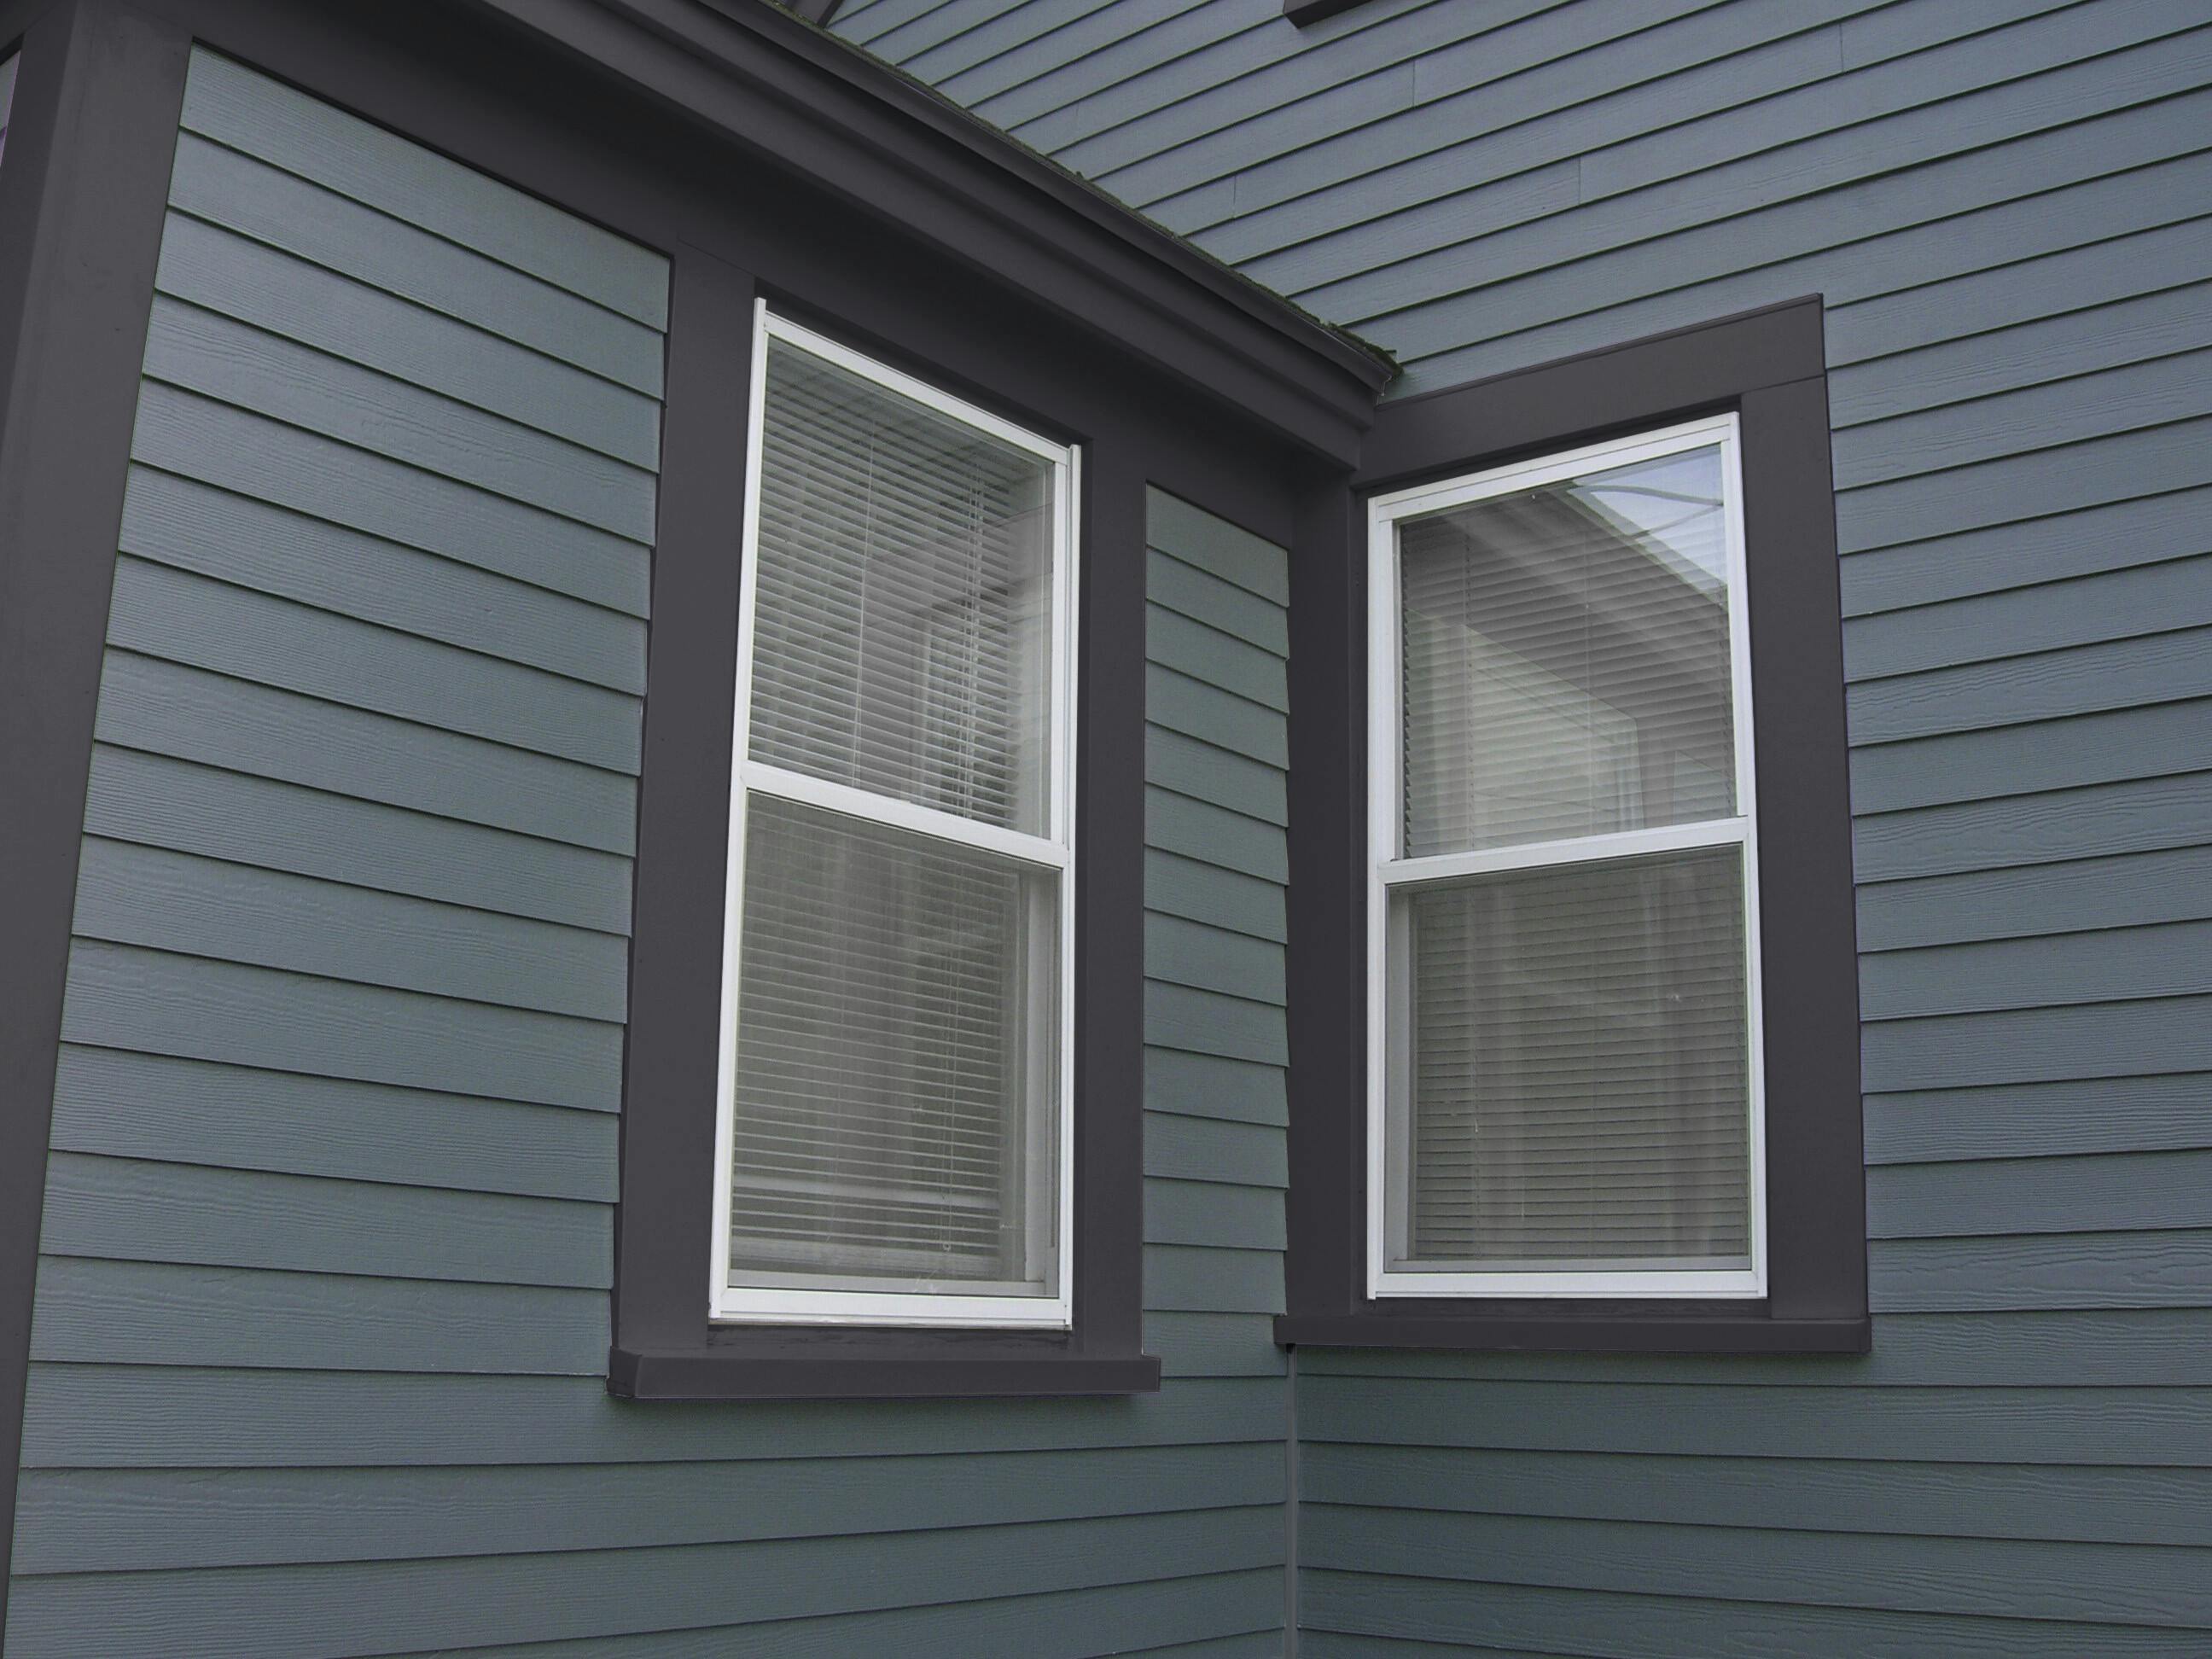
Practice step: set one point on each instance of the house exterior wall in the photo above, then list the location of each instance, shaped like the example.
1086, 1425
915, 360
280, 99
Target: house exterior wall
2004, 206
321, 1324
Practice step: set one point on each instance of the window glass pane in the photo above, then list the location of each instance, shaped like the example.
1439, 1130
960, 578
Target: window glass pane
902, 643
896, 1015
1570, 1067
1565, 655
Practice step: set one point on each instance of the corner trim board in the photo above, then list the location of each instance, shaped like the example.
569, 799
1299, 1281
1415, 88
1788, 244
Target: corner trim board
97, 94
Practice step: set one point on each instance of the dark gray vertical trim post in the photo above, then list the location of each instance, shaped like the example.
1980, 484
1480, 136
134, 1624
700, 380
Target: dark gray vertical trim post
1808, 924
1327, 849
82, 193
1110, 920
661, 1240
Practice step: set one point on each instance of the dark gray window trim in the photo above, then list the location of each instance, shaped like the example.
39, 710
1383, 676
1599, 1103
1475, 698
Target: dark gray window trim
1770, 366
664, 1348
803, 99
82, 189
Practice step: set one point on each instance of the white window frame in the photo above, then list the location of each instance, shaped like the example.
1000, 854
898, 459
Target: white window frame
1054, 851
1389, 871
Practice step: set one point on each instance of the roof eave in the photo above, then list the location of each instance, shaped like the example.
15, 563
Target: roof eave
806, 101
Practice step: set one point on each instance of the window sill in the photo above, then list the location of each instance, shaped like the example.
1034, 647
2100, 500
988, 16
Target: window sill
1665, 1332
802, 1370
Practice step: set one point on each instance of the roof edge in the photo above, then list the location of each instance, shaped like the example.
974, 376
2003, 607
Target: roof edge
801, 97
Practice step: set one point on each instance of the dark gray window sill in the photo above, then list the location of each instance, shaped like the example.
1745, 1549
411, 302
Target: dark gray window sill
1668, 1332
886, 1371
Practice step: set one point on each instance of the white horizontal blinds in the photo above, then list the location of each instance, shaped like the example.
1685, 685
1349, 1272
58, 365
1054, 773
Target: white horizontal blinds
896, 1004
904, 633
7, 99
1577, 1068
1565, 659
1568, 1083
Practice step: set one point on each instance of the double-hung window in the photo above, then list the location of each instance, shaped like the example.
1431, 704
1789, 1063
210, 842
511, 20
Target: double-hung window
1564, 1069
893, 1141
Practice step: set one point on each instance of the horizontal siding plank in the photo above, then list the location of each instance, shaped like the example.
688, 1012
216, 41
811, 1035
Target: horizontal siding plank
2086, 679
1180, 885
1205, 598
2113, 1192
1185, 765
209, 267
158, 801
1947, 1500
2035, 1119
1190, 953
1051, 1625
286, 466
1207, 1023
2009, 832
188, 713
180, 617
2147, 1427
2136, 532
1213, 835
179, 522
144, 1313
2037, 1045
1547, 1620
1994, 359
2134, 889
2136, 743
1218, 657
1190, 1148
121, 1520
148, 1417
125, 1210
1198, 710
1190, 1277
2174, 959
2080, 611
121, 1104
216, 357
2171, 1269
2116, 265
121, 996
1989, 1578
1212, 1086
326, 1611
1213, 543
2007, 425
248, 112
253, 199
1214, 1214
131, 894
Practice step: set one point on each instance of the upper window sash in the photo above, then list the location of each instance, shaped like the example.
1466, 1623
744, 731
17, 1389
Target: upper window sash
1054, 851
1390, 871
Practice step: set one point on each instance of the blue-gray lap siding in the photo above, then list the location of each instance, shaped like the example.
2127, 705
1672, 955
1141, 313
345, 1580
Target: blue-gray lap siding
322, 1309
2008, 206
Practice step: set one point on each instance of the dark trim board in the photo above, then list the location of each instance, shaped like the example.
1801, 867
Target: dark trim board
802, 99
1768, 365
664, 1346
87, 171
